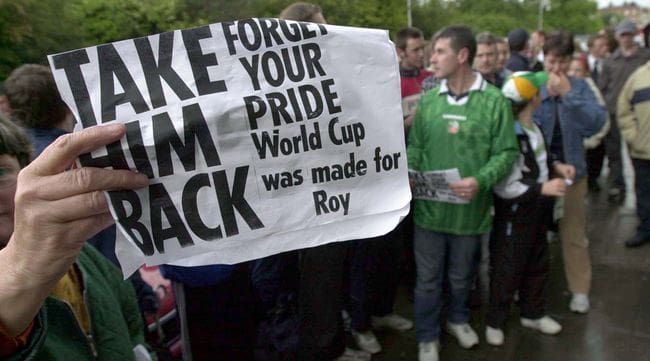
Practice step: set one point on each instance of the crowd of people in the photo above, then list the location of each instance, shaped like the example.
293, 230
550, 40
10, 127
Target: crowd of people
526, 121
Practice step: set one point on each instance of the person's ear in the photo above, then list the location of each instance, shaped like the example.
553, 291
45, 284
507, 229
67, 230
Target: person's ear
463, 56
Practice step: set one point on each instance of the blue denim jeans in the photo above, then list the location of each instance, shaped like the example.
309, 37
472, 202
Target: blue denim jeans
438, 255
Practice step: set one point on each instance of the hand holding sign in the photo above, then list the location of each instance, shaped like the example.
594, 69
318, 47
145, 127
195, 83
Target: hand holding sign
68, 206
56, 211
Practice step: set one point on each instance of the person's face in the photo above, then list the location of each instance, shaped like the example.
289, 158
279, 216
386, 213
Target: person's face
486, 58
503, 53
4, 105
626, 40
9, 169
599, 48
577, 69
444, 60
557, 64
536, 42
412, 57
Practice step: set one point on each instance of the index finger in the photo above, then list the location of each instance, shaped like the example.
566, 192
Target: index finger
58, 156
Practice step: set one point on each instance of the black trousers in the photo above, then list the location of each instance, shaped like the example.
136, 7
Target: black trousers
519, 261
614, 156
220, 319
320, 302
642, 184
374, 278
595, 158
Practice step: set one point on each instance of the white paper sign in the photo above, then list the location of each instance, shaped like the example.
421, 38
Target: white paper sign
434, 185
259, 136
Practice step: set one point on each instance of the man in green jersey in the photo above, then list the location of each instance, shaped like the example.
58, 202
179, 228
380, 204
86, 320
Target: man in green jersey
464, 124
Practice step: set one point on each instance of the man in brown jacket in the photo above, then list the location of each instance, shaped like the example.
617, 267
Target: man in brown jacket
615, 71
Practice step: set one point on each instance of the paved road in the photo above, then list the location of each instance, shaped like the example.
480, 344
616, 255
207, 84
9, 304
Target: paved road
616, 329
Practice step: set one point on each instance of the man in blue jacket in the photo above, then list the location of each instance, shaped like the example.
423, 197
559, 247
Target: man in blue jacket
568, 114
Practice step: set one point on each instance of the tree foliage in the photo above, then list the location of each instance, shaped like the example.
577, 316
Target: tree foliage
31, 29
499, 17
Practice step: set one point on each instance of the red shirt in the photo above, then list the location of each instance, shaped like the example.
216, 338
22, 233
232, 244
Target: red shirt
10, 345
411, 83
411, 80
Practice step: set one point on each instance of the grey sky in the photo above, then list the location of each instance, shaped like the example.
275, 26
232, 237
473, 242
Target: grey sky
605, 3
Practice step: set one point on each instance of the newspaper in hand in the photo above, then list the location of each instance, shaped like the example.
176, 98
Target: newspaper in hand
410, 104
434, 185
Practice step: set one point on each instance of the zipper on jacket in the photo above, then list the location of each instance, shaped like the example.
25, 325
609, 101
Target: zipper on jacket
90, 341
89, 335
